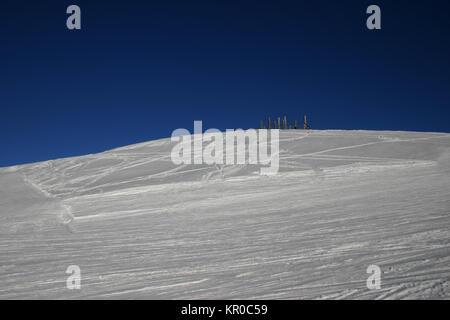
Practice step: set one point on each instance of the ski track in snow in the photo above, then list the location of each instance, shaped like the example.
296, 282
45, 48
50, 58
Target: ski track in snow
140, 227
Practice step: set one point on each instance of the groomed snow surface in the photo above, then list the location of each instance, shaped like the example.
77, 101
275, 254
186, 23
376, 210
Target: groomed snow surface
140, 227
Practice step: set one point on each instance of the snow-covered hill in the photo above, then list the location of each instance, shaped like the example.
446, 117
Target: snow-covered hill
139, 226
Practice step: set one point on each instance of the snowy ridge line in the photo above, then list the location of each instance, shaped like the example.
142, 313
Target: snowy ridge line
358, 167
130, 161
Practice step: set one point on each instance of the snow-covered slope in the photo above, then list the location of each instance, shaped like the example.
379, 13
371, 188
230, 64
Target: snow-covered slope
139, 226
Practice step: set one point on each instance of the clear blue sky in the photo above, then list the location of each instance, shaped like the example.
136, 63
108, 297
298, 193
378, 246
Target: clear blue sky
139, 69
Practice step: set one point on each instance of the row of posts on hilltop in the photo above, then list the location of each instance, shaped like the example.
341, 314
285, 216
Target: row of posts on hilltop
283, 124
